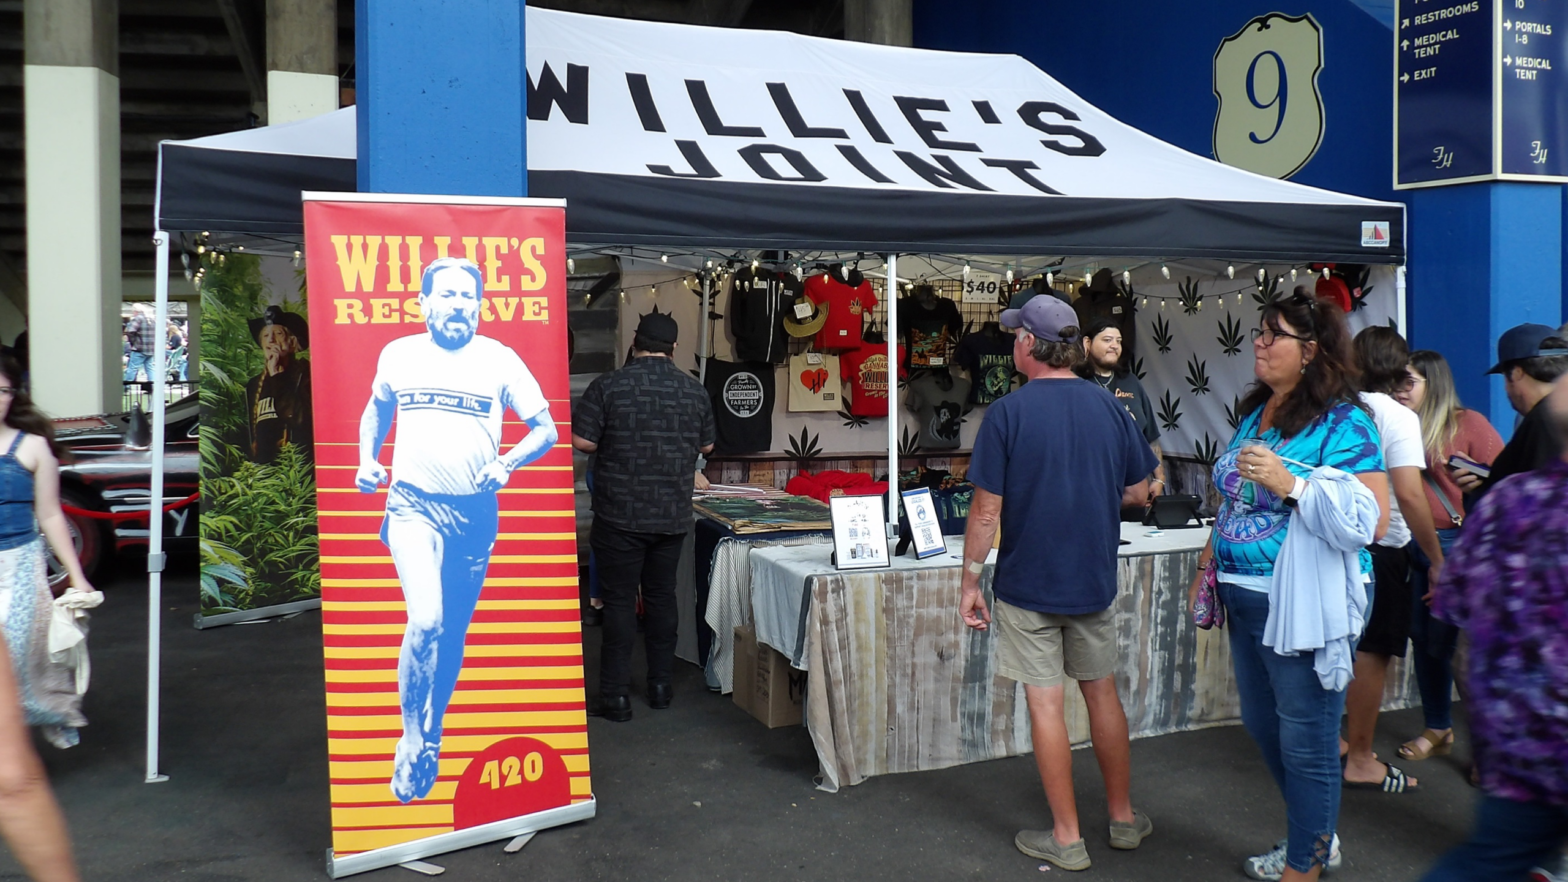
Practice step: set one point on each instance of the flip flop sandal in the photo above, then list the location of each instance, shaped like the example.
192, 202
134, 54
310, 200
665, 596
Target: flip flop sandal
1394, 781
1436, 746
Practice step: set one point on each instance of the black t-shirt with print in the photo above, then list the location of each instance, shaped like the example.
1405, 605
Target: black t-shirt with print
742, 395
988, 357
1129, 393
930, 333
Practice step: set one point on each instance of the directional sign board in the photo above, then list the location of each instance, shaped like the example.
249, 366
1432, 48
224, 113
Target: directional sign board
1479, 91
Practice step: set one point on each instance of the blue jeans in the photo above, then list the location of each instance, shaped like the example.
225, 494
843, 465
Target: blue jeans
135, 364
1432, 641
1295, 722
1509, 838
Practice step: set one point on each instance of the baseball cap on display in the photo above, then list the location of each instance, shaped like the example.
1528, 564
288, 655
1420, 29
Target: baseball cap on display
656, 332
1044, 317
1521, 342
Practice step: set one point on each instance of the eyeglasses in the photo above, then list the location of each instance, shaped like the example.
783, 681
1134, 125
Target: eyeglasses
1269, 335
1407, 383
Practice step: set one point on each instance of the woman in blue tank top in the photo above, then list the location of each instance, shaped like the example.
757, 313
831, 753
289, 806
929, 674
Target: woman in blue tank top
30, 819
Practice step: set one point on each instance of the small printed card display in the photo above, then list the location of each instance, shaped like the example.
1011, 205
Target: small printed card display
859, 536
924, 528
982, 287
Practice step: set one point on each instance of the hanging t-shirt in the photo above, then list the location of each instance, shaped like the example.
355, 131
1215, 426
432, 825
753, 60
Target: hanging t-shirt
814, 383
742, 395
759, 300
1059, 453
865, 373
937, 401
847, 309
988, 358
930, 333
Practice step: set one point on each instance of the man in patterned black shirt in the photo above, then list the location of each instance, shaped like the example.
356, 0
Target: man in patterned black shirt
645, 424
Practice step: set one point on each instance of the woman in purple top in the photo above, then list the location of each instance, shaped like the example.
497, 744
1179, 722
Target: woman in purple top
1506, 585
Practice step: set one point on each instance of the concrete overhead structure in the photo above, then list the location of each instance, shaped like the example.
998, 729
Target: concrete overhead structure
302, 59
889, 22
71, 92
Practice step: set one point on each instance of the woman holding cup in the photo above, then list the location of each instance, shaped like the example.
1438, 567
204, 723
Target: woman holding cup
1301, 414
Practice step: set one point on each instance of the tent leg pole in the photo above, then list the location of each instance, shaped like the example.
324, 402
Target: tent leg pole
703, 353
155, 514
892, 394
1400, 302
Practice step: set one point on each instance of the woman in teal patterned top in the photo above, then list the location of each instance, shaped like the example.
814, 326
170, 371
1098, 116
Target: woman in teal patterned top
1302, 413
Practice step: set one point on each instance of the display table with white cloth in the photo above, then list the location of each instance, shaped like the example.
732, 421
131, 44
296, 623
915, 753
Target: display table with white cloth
898, 683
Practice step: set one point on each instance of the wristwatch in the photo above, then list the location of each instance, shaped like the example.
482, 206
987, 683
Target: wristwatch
1294, 496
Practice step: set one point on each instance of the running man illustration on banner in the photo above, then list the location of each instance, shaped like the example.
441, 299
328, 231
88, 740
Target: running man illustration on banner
450, 622
447, 389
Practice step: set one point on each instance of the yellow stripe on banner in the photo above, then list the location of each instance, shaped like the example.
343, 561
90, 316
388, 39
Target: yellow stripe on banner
564, 513
576, 763
390, 699
520, 537
467, 675
582, 786
391, 816
347, 842
464, 721
382, 769
495, 558
398, 605
492, 582
342, 793
522, 650
383, 746
475, 628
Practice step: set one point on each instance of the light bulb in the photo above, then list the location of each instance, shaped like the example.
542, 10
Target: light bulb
1050, 279
571, 265
1230, 272
1325, 272
242, 247
1145, 301
1262, 274
1088, 277
1009, 277
755, 264
201, 249
1162, 302
664, 258
710, 263
296, 257
1165, 271
1126, 277
1293, 274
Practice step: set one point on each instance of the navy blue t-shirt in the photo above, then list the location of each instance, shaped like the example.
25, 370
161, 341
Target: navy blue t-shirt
1059, 453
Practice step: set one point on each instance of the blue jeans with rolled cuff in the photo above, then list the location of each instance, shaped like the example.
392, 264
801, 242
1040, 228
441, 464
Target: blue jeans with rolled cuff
1432, 641
1295, 722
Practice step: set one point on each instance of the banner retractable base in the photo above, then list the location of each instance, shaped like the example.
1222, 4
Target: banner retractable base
251, 615
391, 856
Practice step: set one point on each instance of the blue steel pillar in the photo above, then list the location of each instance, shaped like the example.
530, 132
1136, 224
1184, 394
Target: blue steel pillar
442, 100
1483, 258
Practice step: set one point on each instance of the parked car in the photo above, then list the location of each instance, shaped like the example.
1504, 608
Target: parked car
112, 472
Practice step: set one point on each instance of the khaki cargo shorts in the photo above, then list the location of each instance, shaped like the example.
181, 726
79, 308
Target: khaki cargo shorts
1039, 649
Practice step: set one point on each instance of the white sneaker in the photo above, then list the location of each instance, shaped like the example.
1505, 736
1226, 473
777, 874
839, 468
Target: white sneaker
1270, 865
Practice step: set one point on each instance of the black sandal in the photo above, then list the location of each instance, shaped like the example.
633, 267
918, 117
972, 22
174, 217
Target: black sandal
1394, 781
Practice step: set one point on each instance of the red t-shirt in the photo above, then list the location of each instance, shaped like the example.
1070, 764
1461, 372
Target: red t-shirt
865, 371
1476, 441
847, 308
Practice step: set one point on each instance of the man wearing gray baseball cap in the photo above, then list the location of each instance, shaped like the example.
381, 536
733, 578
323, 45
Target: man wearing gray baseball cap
1054, 462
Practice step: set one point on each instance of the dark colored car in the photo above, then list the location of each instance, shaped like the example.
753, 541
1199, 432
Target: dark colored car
112, 473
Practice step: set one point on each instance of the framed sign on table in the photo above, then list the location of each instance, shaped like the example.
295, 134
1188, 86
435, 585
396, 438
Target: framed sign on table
859, 537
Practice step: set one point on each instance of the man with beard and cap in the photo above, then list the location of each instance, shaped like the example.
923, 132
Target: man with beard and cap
278, 398
448, 390
1102, 343
645, 425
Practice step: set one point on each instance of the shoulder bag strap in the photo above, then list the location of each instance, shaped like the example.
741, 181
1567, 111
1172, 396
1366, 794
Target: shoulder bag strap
1456, 517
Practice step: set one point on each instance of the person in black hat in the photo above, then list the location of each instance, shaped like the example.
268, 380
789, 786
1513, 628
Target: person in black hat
1531, 358
278, 398
645, 425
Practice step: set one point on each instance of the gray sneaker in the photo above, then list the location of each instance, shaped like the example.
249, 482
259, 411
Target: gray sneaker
1042, 844
1271, 864
1128, 836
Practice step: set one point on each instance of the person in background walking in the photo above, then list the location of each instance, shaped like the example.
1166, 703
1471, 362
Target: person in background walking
1530, 358
1506, 585
30, 819
1384, 363
1447, 428
1304, 407
141, 341
1058, 458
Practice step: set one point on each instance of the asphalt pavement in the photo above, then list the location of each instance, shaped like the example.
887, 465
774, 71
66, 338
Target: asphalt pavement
700, 791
